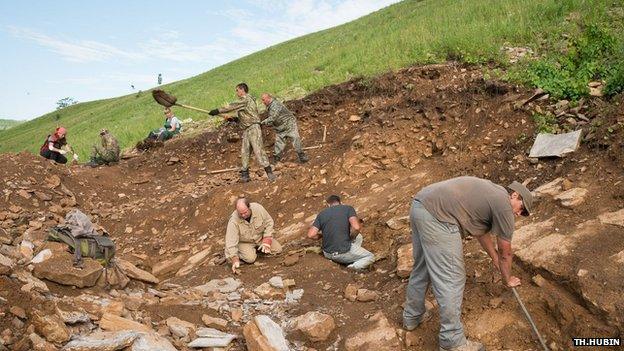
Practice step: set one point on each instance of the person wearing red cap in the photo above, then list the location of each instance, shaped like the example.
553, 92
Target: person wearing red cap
52, 148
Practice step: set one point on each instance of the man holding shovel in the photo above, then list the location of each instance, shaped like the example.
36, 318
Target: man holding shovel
440, 214
247, 112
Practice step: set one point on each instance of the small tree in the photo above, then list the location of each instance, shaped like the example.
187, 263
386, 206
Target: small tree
64, 102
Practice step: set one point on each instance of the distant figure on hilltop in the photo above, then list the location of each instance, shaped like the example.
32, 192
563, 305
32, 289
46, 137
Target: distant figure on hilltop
247, 113
285, 125
52, 147
159, 78
106, 152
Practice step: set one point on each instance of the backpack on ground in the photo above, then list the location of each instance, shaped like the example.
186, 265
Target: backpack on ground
100, 248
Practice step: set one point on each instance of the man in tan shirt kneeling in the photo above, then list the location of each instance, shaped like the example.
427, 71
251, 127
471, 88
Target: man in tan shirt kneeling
249, 229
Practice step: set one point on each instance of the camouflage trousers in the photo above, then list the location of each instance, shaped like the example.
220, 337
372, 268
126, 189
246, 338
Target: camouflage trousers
101, 155
252, 140
282, 137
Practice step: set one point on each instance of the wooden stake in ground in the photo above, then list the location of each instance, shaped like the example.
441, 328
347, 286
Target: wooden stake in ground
225, 170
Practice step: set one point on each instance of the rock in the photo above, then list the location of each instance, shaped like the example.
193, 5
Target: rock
276, 282
169, 266
213, 322
618, 257
151, 342
266, 291
51, 327
572, 197
26, 249
495, 302
179, 328
405, 260
208, 337
350, 292
398, 223
254, 339
6, 265
315, 325
291, 260
134, 272
18, 312
73, 317
223, 286
102, 341
538, 280
60, 269
31, 283
365, 295
193, 262
42, 256
111, 322
271, 332
236, 314
613, 218
354, 118
551, 188
379, 335
39, 344
549, 145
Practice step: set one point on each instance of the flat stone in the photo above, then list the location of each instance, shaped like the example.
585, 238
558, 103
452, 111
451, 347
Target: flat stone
40, 344
613, 218
572, 197
51, 327
316, 326
549, 145
102, 341
179, 328
272, 332
18, 312
398, 223
169, 266
6, 264
552, 188
151, 342
194, 261
213, 322
254, 339
379, 335
111, 322
134, 272
405, 260
276, 282
60, 269
210, 337
223, 286
266, 291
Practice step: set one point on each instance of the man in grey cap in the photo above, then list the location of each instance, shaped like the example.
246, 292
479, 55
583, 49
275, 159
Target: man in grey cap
440, 215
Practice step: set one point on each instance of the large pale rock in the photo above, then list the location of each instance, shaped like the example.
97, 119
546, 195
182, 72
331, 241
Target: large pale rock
350, 292
60, 269
193, 262
572, 198
405, 260
213, 322
552, 188
134, 272
549, 145
262, 334
210, 337
266, 291
151, 342
169, 266
365, 295
50, 327
613, 218
315, 325
111, 322
223, 286
102, 341
378, 336
179, 328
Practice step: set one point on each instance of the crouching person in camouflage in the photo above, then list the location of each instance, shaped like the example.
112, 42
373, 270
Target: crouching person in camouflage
285, 125
106, 152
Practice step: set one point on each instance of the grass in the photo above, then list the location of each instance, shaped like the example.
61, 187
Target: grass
8, 123
410, 32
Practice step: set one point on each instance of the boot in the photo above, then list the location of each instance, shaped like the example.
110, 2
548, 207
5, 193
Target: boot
303, 158
92, 163
270, 174
468, 346
244, 176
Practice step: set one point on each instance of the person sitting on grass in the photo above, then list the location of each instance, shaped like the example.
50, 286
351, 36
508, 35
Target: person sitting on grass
52, 148
171, 127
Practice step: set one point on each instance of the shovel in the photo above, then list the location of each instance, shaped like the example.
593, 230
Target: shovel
528, 317
168, 100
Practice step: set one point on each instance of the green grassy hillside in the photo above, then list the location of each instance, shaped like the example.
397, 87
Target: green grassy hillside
8, 123
407, 33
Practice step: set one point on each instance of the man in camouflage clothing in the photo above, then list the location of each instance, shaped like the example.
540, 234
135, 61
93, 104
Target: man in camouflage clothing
247, 113
106, 152
285, 125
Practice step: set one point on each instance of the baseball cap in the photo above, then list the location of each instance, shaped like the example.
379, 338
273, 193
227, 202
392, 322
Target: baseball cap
527, 197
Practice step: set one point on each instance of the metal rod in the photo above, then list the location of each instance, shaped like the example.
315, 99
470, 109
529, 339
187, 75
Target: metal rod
528, 316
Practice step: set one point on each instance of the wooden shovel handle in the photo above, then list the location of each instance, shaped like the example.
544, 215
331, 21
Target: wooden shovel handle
193, 108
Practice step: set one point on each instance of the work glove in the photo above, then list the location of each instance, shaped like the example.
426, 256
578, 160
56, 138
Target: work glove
266, 245
62, 152
214, 112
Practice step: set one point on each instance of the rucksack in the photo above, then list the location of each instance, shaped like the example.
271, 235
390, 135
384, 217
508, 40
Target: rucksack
100, 247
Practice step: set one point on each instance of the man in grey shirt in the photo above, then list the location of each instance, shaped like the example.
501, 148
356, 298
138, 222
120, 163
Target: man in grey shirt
440, 214
342, 241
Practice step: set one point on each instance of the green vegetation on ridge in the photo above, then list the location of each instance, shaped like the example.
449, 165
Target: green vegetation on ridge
8, 123
411, 32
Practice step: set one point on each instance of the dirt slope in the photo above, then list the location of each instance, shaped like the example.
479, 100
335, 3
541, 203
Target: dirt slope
385, 139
